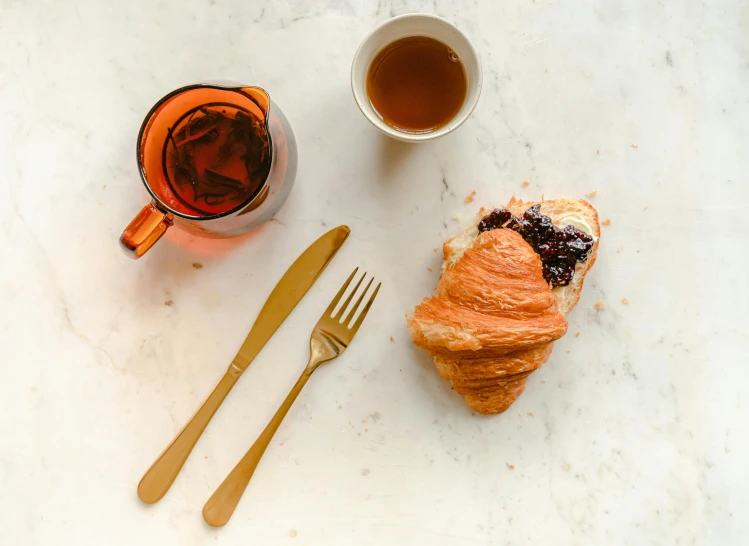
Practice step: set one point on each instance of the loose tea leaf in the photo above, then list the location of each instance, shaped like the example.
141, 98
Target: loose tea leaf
200, 124
217, 158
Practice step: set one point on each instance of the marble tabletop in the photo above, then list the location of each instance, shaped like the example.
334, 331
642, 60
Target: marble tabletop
634, 432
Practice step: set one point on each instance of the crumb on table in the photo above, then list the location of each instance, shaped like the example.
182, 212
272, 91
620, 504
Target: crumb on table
598, 152
525, 184
436, 249
591, 194
429, 269
599, 304
577, 334
510, 466
469, 198
392, 340
606, 222
197, 265
634, 146
625, 301
169, 303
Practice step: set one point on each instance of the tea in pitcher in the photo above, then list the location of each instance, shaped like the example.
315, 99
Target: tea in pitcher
216, 157
209, 149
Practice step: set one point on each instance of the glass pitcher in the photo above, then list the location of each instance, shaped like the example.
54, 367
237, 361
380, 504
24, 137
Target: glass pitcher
218, 160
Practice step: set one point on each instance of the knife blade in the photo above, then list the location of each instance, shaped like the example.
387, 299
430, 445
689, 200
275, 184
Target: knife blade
289, 291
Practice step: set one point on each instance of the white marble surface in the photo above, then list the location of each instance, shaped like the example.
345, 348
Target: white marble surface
633, 433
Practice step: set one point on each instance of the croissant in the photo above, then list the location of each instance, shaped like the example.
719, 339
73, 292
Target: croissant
494, 318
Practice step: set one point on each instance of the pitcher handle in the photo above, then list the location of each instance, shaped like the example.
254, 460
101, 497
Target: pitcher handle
145, 229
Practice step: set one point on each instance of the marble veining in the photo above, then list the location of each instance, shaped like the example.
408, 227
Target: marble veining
634, 432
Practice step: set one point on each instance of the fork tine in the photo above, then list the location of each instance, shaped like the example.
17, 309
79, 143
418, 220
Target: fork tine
340, 312
358, 322
358, 302
331, 307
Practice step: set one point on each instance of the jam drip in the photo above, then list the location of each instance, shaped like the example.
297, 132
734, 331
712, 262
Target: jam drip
560, 249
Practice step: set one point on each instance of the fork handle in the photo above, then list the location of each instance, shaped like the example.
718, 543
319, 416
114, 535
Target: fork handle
159, 478
224, 500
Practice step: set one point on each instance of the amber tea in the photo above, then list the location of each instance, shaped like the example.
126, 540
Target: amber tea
214, 153
218, 159
417, 84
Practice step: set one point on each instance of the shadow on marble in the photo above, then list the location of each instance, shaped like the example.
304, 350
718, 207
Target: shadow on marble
439, 391
393, 156
173, 265
188, 245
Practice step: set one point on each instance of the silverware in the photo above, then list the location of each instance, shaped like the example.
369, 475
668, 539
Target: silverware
330, 337
288, 292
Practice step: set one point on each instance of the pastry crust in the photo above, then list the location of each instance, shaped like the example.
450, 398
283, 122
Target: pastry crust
494, 318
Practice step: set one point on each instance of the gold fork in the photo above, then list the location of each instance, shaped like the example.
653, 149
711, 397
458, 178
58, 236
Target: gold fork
329, 339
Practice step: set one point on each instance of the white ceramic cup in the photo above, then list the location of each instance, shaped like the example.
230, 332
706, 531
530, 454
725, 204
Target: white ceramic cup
415, 24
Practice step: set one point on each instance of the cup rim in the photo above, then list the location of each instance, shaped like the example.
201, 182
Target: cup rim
368, 111
141, 169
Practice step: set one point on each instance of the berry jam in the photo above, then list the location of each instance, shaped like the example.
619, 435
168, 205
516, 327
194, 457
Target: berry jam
560, 249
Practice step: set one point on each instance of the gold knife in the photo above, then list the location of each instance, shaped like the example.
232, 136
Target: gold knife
289, 291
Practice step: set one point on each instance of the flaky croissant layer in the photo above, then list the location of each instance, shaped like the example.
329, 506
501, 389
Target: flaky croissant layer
493, 321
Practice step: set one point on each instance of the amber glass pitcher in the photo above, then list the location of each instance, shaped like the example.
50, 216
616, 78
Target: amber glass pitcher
217, 159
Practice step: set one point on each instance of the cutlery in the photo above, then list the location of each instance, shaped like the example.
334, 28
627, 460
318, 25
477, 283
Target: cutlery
330, 338
288, 292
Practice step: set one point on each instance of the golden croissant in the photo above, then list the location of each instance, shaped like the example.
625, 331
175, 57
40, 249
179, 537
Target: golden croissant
494, 318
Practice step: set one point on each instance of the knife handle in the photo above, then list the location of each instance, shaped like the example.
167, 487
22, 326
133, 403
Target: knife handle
224, 500
159, 478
